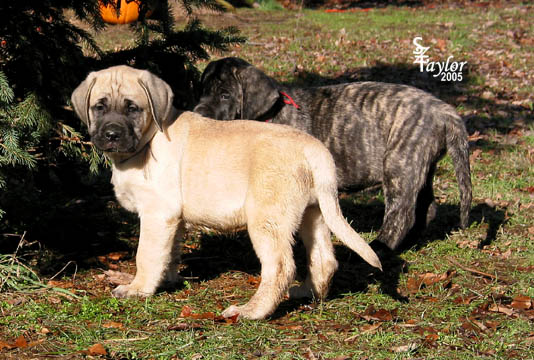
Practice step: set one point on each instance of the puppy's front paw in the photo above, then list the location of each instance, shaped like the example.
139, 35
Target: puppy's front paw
126, 291
231, 311
243, 312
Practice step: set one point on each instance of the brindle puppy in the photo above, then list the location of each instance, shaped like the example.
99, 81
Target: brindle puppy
377, 132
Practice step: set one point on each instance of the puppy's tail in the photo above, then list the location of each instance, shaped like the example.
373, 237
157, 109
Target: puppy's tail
458, 149
325, 185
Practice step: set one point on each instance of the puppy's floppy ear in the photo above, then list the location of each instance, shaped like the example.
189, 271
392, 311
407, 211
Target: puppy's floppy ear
260, 92
159, 95
81, 96
209, 71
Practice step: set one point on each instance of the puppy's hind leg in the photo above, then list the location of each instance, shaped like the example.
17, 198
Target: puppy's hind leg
273, 246
320, 256
426, 203
401, 190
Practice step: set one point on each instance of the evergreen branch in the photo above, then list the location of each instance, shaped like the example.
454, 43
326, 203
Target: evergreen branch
31, 113
84, 37
207, 4
6, 93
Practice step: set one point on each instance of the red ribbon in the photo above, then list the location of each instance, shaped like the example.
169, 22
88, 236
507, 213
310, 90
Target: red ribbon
289, 100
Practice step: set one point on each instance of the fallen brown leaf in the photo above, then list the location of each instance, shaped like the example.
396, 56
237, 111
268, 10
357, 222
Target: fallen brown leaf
113, 325
204, 316
16, 301
464, 300
419, 281
254, 280
60, 284
466, 243
476, 136
95, 350
431, 338
290, 327
480, 325
409, 324
187, 312
371, 314
529, 314
468, 325
231, 319
118, 255
492, 324
20, 342
501, 309
191, 246
521, 302
370, 328
184, 326
113, 256
475, 155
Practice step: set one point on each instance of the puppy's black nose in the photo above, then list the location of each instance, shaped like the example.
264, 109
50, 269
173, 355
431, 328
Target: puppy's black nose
113, 132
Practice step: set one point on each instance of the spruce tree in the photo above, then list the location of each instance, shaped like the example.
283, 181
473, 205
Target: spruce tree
44, 56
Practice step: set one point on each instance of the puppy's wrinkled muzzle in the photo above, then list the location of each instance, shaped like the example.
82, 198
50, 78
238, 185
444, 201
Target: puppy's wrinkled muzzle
114, 136
113, 132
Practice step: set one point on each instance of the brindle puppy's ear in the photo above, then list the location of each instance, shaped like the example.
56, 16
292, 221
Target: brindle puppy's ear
81, 96
259, 92
159, 95
210, 71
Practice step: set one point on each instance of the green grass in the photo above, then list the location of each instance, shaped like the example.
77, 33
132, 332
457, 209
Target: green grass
313, 47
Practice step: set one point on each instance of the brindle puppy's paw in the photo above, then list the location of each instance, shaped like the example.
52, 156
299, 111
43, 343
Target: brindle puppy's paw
126, 291
171, 281
300, 292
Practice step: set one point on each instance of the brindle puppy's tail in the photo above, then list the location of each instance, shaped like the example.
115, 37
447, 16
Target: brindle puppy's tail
458, 148
325, 185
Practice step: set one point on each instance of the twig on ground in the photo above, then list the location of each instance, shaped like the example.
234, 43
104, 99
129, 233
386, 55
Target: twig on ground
477, 272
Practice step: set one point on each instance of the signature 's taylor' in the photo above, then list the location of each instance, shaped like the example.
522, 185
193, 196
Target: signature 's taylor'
448, 70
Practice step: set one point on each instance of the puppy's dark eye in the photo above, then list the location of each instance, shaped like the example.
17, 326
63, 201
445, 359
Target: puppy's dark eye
225, 96
100, 107
132, 108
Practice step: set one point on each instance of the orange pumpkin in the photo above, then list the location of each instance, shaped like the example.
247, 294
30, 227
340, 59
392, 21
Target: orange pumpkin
128, 12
